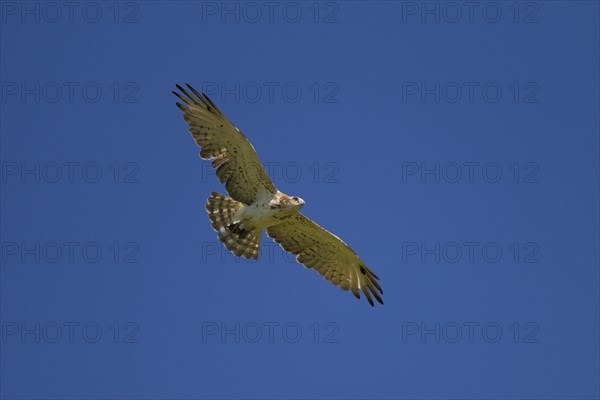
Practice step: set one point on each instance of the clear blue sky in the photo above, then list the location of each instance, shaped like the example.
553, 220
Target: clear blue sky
454, 147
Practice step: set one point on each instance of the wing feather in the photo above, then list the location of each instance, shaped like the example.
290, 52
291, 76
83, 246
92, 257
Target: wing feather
321, 250
233, 157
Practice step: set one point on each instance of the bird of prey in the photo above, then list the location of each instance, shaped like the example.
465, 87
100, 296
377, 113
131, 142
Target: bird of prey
256, 204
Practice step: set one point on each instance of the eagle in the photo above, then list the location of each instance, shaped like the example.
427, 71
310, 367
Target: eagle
256, 204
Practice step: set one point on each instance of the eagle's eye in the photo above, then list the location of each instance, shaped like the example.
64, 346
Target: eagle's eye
295, 198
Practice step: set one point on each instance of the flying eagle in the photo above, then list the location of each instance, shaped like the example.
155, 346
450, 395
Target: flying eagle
256, 204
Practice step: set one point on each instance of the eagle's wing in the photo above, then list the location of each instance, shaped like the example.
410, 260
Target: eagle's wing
319, 249
232, 155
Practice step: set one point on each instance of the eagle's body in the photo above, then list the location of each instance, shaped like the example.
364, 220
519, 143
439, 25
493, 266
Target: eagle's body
256, 204
268, 211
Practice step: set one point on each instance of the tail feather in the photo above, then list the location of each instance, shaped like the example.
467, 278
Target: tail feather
241, 242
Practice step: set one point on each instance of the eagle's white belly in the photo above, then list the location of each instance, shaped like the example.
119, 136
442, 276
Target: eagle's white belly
256, 216
263, 213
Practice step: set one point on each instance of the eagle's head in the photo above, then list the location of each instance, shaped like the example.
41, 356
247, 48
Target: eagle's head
292, 202
287, 204
297, 203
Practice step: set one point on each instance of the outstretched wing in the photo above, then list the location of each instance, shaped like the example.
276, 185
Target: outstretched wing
321, 250
232, 155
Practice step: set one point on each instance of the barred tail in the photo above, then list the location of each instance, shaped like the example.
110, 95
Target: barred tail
221, 211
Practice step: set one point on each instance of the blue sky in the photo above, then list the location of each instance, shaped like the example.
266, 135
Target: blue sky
453, 145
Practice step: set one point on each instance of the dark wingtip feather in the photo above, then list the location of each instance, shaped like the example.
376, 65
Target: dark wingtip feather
190, 87
194, 91
211, 103
180, 97
377, 296
377, 286
176, 94
368, 295
185, 92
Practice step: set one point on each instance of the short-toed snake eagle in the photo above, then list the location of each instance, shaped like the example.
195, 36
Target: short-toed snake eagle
256, 204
